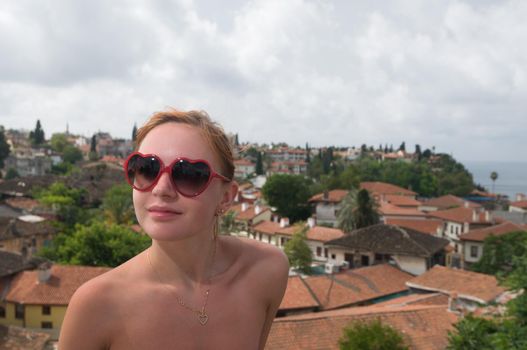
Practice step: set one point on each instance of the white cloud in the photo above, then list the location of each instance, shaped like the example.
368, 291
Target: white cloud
444, 73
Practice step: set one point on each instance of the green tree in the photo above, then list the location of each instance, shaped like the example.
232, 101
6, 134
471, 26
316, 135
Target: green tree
93, 155
472, 333
11, 174
289, 194
37, 136
97, 244
402, 147
259, 164
58, 142
134, 132
493, 177
228, 223
4, 147
357, 210
500, 253
71, 154
374, 335
297, 250
117, 205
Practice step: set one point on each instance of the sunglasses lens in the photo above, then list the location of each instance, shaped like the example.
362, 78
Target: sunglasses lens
190, 178
142, 171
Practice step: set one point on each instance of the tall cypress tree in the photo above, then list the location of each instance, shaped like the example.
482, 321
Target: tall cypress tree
37, 136
134, 133
259, 164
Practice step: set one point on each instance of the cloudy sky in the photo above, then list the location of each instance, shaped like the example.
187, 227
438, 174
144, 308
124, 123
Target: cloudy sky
449, 74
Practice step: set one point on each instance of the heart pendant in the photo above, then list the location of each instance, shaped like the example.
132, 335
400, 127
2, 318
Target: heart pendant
203, 318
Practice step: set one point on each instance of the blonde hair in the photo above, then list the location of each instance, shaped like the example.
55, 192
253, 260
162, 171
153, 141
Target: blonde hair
211, 131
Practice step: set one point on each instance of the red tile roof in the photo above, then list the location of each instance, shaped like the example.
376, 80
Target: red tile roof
385, 188
423, 327
22, 203
479, 235
267, 227
58, 290
461, 215
467, 284
449, 201
249, 213
297, 295
357, 285
416, 299
425, 226
519, 204
402, 201
323, 234
392, 210
242, 162
333, 196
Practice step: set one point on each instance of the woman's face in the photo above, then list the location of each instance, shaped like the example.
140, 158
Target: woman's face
164, 213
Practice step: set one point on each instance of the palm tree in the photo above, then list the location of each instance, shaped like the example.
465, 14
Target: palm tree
493, 177
358, 210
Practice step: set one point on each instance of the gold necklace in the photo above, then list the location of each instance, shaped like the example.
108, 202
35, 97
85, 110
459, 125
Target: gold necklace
203, 317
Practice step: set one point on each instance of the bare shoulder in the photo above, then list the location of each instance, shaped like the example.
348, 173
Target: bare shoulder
95, 306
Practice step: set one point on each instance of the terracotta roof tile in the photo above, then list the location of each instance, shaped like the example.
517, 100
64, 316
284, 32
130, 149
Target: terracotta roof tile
425, 226
424, 327
450, 201
323, 234
381, 188
249, 213
22, 203
402, 201
519, 204
58, 290
462, 215
333, 196
297, 295
357, 285
479, 235
469, 285
388, 209
267, 227
18, 338
416, 299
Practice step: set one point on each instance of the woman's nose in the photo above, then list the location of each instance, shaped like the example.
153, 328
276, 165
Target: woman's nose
164, 186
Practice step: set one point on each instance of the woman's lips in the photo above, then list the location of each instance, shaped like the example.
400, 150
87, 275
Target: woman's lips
162, 212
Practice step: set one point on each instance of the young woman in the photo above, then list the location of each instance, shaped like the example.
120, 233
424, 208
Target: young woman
192, 289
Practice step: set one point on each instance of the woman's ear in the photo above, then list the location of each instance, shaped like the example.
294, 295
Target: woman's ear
230, 191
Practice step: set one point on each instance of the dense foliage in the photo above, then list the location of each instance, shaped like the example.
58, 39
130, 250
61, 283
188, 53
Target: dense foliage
358, 210
289, 194
297, 250
372, 335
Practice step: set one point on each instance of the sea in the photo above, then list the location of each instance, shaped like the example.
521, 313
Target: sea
512, 176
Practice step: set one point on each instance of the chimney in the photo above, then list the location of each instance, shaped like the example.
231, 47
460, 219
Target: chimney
257, 209
452, 302
284, 222
466, 227
311, 222
475, 216
488, 217
465, 204
44, 272
245, 206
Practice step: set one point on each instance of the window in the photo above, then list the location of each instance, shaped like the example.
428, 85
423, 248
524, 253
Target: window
46, 310
19, 311
319, 251
474, 251
46, 324
333, 256
325, 252
2, 312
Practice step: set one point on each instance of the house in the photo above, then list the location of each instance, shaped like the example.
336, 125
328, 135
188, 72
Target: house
296, 167
298, 298
401, 201
412, 251
243, 168
38, 299
457, 221
472, 241
284, 154
518, 206
26, 234
247, 215
468, 289
279, 233
429, 226
29, 162
424, 327
447, 202
327, 205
